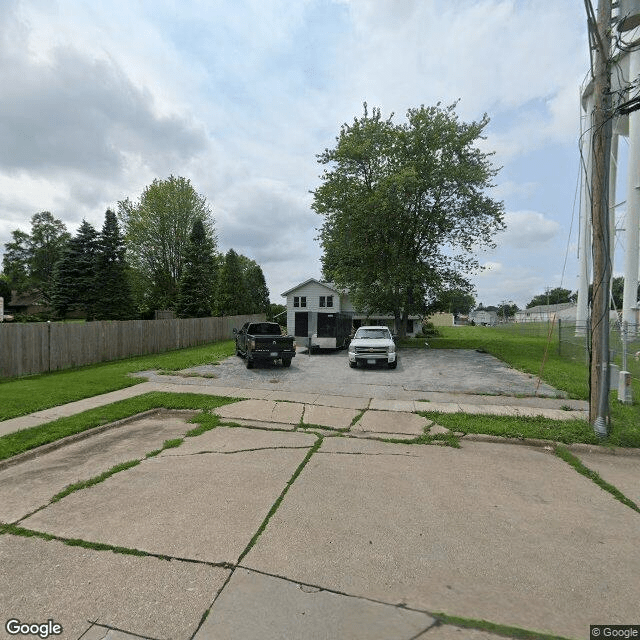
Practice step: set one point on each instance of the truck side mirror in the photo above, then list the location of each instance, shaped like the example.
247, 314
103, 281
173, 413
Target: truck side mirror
235, 331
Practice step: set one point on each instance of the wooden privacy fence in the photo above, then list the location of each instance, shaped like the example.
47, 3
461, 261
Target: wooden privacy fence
39, 347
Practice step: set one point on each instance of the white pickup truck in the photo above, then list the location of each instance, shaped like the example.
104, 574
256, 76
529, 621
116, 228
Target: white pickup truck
373, 345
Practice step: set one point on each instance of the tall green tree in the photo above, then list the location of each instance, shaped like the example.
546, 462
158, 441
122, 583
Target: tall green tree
256, 288
404, 208
199, 276
157, 229
457, 301
15, 261
233, 297
113, 299
75, 284
552, 296
5, 289
29, 259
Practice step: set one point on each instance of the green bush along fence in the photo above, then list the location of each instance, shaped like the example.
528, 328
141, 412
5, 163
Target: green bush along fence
40, 347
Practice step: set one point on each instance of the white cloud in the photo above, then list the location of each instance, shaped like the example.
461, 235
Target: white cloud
525, 229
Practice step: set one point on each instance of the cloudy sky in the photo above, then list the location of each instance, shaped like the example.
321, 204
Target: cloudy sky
100, 98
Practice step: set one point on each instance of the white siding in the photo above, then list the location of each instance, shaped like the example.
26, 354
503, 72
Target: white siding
312, 291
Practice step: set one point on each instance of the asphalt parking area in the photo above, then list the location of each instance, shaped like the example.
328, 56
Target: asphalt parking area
419, 370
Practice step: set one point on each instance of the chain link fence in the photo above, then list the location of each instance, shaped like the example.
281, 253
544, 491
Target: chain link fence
624, 344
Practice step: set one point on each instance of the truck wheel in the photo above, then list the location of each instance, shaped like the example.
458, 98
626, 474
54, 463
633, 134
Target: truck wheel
249, 363
353, 365
393, 365
286, 362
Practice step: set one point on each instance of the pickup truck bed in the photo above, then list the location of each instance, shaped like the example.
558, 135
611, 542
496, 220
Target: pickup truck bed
263, 341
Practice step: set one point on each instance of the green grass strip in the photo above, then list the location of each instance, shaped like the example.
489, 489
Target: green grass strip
576, 463
567, 431
26, 439
22, 396
13, 529
280, 498
497, 629
84, 484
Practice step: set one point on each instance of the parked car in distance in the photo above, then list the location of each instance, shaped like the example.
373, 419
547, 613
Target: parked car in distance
263, 341
373, 345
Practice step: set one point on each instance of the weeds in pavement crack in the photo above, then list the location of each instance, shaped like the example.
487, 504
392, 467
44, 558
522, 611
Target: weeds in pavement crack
575, 462
280, 498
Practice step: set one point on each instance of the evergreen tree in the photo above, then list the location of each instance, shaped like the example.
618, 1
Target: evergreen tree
74, 279
232, 290
114, 301
199, 275
257, 291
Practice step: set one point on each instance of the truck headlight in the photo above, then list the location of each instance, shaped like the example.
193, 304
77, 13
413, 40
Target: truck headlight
392, 349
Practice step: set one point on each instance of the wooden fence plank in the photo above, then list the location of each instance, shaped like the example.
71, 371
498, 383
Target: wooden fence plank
40, 347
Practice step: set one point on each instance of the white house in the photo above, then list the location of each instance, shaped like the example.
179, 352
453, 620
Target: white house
309, 302
547, 313
483, 317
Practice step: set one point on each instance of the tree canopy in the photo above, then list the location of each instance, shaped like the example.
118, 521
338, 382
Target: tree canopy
404, 208
157, 230
75, 284
199, 276
29, 259
552, 296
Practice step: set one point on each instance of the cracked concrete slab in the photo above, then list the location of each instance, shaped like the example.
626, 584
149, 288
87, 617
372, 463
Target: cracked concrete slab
75, 586
346, 402
262, 410
392, 422
494, 532
334, 417
236, 439
205, 509
283, 609
276, 426
31, 484
97, 632
623, 472
449, 632
393, 405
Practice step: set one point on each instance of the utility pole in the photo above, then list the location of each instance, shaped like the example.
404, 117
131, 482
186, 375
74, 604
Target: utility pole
600, 31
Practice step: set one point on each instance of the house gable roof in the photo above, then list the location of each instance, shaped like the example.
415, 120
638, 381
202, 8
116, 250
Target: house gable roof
328, 285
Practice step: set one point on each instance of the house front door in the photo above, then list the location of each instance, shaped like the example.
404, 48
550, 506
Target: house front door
302, 323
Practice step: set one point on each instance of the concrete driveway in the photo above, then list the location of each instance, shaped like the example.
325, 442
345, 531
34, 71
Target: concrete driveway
419, 371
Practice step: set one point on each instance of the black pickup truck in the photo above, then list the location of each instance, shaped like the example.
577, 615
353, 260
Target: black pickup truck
264, 341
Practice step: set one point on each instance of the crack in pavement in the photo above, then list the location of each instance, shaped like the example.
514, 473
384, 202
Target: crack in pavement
197, 453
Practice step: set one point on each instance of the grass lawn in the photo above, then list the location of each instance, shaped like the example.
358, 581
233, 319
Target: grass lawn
26, 439
21, 396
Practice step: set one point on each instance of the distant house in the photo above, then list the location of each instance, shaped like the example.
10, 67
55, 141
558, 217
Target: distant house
483, 317
311, 300
26, 303
547, 313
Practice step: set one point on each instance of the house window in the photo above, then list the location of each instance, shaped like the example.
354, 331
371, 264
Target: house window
329, 301
303, 301
323, 301
326, 301
296, 301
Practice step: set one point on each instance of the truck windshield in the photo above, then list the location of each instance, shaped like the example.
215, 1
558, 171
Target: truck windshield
264, 329
373, 333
